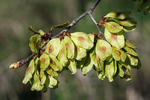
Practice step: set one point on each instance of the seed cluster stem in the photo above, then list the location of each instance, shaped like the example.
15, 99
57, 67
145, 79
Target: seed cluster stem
74, 22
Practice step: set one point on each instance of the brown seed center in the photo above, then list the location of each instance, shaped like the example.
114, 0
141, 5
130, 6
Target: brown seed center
52, 62
103, 49
34, 43
67, 45
43, 60
113, 26
62, 52
81, 39
29, 69
118, 52
97, 58
114, 36
78, 49
51, 49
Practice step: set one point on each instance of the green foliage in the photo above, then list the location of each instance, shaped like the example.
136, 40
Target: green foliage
110, 58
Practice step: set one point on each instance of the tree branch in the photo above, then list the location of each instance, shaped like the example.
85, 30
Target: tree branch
94, 21
74, 22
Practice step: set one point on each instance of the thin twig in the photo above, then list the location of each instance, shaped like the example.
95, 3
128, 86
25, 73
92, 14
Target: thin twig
24, 61
74, 22
94, 21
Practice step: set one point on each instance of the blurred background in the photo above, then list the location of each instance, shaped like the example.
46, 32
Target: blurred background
17, 15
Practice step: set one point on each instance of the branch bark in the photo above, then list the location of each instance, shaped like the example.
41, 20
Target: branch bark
94, 21
74, 22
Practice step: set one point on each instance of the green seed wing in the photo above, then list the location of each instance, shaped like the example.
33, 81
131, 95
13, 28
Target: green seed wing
94, 58
52, 72
121, 16
126, 68
127, 23
123, 56
55, 64
130, 51
88, 64
100, 75
129, 44
111, 15
72, 66
69, 47
44, 61
121, 70
81, 53
91, 37
36, 82
52, 82
87, 68
103, 49
53, 47
109, 71
117, 41
29, 72
118, 55
113, 27
34, 43
42, 77
133, 60
62, 56
82, 40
